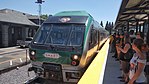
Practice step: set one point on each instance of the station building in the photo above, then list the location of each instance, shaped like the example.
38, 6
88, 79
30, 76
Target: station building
15, 25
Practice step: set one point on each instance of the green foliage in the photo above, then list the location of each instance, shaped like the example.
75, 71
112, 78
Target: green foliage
44, 16
101, 23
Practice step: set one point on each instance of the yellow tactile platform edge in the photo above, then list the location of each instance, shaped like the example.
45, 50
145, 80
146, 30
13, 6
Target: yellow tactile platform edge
95, 72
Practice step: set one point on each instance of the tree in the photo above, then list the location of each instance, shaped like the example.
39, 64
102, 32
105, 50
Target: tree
107, 25
101, 23
44, 16
112, 25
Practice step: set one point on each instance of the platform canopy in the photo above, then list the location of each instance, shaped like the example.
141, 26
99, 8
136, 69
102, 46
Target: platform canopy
132, 12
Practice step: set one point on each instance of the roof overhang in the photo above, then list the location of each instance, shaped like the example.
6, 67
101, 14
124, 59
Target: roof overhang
132, 11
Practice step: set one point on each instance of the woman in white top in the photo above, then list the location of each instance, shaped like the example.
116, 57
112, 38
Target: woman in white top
133, 63
137, 64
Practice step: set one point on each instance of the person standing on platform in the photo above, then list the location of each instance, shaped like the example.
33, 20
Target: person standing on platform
113, 43
120, 44
117, 41
125, 50
132, 35
138, 35
147, 63
145, 49
138, 63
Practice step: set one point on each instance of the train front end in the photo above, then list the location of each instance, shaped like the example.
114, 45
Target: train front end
57, 48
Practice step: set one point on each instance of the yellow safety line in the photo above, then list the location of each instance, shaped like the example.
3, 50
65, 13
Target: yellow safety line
95, 72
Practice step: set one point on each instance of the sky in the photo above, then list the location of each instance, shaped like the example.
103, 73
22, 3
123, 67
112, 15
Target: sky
101, 10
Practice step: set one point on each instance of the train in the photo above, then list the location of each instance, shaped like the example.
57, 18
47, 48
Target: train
65, 45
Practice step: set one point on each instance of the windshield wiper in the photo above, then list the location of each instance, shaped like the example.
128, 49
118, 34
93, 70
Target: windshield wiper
37, 43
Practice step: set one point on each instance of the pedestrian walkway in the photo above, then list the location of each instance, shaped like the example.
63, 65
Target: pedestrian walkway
112, 71
95, 72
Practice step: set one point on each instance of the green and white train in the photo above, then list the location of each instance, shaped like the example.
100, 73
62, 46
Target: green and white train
65, 45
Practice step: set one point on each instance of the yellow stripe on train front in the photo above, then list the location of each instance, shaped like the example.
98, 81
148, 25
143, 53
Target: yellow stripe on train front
95, 72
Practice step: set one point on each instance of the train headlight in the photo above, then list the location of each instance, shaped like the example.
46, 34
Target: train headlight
75, 60
32, 52
75, 57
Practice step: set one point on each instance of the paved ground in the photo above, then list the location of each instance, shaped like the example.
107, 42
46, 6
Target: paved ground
112, 71
17, 76
11, 57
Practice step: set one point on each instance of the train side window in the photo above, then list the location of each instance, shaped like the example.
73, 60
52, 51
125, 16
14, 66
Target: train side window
93, 38
42, 34
98, 36
90, 39
102, 36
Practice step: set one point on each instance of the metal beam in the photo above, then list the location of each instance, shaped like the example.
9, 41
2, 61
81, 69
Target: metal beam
134, 13
127, 26
136, 8
132, 20
143, 17
124, 17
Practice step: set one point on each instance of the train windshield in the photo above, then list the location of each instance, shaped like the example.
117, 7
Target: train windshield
61, 34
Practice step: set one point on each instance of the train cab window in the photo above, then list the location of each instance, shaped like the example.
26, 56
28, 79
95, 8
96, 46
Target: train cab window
61, 34
76, 36
58, 34
42, 34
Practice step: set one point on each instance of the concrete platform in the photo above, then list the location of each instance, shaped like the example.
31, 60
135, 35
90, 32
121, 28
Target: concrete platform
112, 71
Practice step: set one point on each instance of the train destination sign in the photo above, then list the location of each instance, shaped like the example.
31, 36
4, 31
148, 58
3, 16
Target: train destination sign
65, 19
52, 55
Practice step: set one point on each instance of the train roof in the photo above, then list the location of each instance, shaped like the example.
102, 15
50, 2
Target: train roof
73, 13
67, 19
79, 17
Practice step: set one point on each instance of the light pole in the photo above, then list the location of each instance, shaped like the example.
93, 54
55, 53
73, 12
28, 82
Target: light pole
39, 2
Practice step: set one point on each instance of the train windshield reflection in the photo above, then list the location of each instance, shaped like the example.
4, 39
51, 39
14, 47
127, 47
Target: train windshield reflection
61, 34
